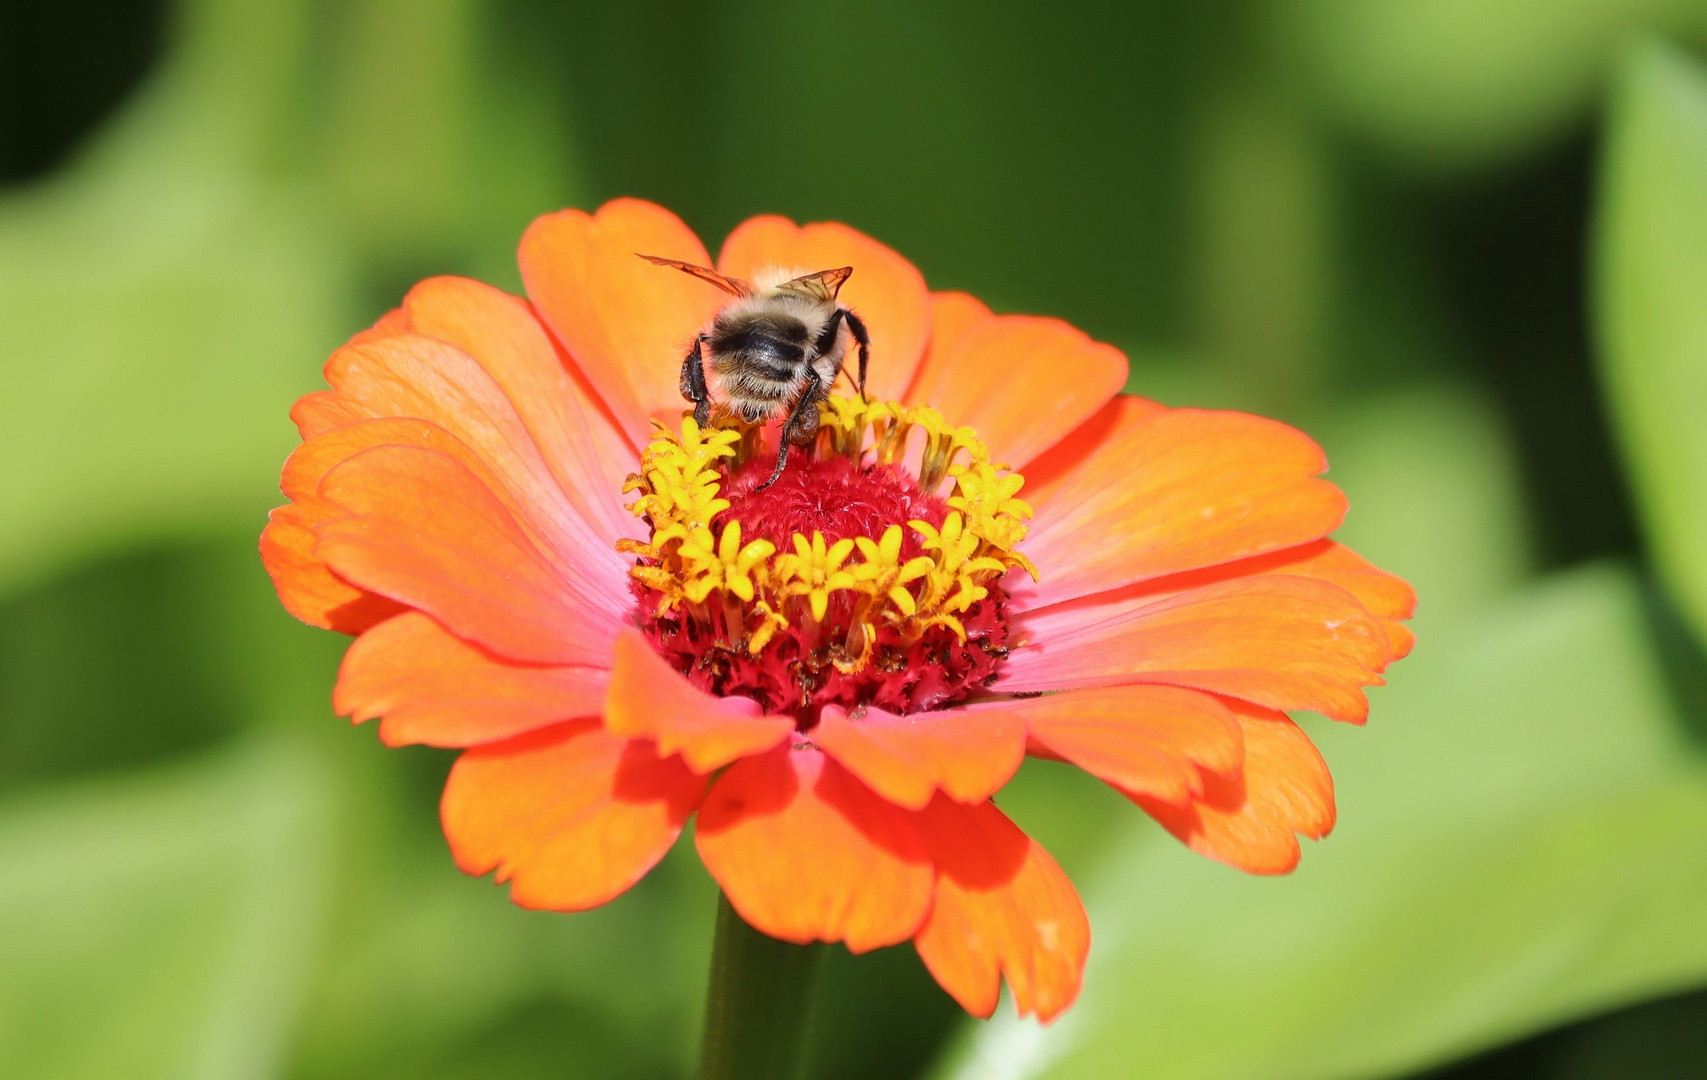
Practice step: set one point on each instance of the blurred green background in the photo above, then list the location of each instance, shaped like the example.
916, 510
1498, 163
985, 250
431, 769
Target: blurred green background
1462, 242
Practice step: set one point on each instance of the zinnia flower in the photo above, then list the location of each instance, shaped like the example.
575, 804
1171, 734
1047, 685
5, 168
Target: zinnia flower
547, 565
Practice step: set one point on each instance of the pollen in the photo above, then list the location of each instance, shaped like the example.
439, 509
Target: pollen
851, 580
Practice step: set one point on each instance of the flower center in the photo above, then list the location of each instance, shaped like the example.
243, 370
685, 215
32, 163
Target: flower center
833, 496
848, 581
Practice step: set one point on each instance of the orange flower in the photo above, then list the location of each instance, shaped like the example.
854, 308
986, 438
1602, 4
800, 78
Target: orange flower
548, 566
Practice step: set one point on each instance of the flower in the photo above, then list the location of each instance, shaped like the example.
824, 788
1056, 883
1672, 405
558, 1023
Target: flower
992, 553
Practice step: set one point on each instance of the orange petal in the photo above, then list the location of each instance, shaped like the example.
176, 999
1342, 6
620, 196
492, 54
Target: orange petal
1175, 491
423, 530
571, 816
968, 753
309, 463
1023, 382
1055, 466
1386, 596
580, 440
392, 323
1148, 739
886, 290
1277, 640
422, 378
1249, 819
328, 410
626, 323
1401, 638
306, 586
432, 687
1002, 907
805, 852
954, 315
650, 699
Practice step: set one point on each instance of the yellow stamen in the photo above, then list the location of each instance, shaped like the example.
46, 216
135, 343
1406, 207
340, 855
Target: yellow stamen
728, 566
881, 576
815, 571
762, 592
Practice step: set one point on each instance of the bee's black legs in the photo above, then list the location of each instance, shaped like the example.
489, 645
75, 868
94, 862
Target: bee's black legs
781, 460
801, 425
827, 336
857, 325
693, 383
827, 339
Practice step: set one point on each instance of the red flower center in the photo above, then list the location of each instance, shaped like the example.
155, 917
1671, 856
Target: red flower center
848, 581
833, 496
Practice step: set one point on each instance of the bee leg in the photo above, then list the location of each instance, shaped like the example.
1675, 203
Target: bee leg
863, 338
827, 338
801, 425
781, 460
693, 383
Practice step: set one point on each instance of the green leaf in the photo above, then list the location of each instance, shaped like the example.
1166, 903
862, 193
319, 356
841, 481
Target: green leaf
159, 926
1522, 840
1458, 84
1651, 278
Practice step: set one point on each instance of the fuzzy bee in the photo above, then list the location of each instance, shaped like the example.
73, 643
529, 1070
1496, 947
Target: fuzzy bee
772, 351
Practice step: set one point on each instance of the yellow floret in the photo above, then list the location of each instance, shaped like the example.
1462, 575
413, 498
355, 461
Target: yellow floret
760, 590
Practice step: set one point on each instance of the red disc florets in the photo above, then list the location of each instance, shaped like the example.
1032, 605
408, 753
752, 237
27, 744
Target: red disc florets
847, 581
834, 497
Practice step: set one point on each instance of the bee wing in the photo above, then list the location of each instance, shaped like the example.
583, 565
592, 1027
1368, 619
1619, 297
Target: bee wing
732, 286
824, 285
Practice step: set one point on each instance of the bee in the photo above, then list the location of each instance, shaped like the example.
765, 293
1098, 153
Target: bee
774, 350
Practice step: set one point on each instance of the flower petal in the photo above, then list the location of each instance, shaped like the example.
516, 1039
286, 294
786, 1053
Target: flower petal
571, 816
309, 463
307, 587
967, 753
420, 378
954, 315
1282, 641
1148, 739
626, 323
1386, 596
1003, 906
421, 528
1023, 382
1248, 819
805, 852
392, 323
886, 290
579, 439
1175, 491
1054, 467
432, 687
650, 699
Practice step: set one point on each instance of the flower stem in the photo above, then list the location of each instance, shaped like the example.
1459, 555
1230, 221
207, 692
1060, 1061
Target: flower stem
759, 1010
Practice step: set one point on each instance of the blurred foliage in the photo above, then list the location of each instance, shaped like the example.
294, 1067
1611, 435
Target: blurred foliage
164, 923
1457, 85
1368, 217
1652, 271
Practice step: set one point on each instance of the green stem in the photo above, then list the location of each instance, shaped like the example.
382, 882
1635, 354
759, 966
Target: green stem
758, 1013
